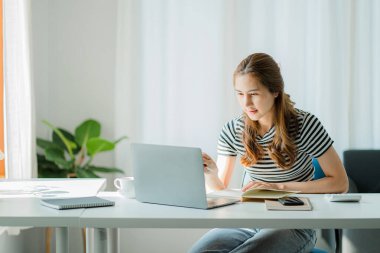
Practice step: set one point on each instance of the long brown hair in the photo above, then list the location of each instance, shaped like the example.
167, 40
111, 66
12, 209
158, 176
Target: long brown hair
283, 149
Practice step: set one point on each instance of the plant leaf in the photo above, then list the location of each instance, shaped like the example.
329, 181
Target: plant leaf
52, 174
57, 156
120, 139
68, 144
47, 169
57, 140
44, 144
82, 174
45, 164
87, 130
86, 174
105, 169
92, 174
96, 145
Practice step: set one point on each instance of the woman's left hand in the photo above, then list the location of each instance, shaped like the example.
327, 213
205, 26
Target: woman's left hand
262, 185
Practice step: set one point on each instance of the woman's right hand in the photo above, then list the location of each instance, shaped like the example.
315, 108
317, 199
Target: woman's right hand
209, 166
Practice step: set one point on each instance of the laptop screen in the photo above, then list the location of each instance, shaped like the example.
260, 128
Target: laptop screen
169, 175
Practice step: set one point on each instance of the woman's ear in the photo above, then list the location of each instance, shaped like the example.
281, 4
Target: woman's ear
276, 94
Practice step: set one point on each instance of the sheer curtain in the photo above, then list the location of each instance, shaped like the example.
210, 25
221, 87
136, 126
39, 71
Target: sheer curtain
176, 59
20, 141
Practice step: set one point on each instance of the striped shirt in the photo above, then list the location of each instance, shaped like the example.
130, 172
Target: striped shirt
312, 140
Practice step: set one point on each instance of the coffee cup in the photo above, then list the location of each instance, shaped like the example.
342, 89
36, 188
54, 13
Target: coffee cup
125, 186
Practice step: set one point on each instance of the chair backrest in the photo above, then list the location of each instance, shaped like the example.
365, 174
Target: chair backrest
318, 172
363, 167
363, 170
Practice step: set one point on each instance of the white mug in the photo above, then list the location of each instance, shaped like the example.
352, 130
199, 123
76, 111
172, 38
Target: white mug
125, 186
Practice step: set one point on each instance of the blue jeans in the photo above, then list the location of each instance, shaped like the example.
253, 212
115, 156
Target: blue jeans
241, 240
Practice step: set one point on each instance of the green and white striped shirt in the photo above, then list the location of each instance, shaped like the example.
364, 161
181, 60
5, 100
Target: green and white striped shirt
312, 140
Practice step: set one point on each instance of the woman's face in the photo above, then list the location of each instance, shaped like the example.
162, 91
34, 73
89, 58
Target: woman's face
255, 99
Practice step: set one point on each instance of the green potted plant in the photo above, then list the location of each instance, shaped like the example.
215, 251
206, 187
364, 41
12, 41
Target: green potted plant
71, 155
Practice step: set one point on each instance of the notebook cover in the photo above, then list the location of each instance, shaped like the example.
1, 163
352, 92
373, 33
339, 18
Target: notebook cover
70, 203
275, 205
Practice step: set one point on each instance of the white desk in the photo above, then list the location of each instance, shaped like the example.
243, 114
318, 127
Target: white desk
29, 212
20, 204
131, 214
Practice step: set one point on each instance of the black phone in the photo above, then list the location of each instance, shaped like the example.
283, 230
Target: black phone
290, 201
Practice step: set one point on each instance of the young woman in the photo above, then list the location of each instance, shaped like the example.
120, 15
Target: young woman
276, 143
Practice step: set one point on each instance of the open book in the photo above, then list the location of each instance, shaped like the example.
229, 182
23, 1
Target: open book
253, 194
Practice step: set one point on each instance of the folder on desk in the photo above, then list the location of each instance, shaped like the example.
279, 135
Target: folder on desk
275, 205
70, 203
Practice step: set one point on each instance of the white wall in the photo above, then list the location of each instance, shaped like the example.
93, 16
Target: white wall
73, 64
73, 73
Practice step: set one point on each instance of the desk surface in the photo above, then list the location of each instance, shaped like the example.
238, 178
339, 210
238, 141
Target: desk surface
133, 214
29, 212
20, 201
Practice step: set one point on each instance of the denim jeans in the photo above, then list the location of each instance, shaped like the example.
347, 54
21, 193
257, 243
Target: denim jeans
241, 240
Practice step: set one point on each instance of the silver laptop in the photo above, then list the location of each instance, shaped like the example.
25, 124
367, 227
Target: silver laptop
171, 175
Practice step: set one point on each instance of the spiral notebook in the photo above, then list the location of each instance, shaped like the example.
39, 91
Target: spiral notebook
71, 203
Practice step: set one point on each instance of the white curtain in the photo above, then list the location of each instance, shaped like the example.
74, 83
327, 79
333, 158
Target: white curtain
176, 59
19, 122
20, 153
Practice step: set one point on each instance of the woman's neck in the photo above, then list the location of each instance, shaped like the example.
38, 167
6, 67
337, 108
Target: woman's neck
265, 124
264, 129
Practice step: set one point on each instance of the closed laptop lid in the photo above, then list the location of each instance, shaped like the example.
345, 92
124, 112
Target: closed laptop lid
169, 175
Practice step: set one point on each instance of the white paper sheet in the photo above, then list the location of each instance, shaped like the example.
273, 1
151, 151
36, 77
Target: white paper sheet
51, 188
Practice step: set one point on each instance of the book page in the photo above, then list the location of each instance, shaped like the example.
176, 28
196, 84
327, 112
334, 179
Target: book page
51, 188
251, 194
266, 194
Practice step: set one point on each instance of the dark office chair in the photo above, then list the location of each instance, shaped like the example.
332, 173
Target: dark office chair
316, 250
363, 170
331, 236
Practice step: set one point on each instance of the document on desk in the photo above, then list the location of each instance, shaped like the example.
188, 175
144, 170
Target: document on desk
51, 188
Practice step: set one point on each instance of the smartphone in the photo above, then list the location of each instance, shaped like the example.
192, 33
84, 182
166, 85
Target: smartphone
290, 201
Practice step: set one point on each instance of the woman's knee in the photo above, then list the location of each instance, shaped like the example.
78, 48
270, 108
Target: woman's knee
221, 240
252, 240
280, 240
